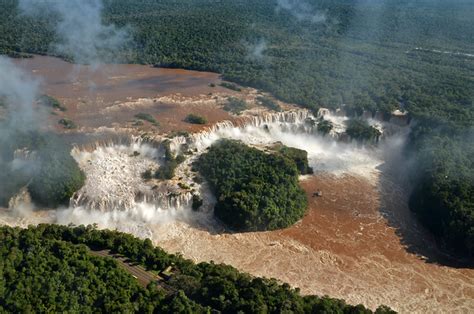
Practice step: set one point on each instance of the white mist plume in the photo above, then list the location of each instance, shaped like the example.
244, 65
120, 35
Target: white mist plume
325, 154
18, 92
302, 10
81, 30
256, 50
142, 218
139, 220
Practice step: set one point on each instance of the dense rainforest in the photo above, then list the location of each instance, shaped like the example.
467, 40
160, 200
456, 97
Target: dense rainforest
363, 54
255, 190
40, 162
49, 268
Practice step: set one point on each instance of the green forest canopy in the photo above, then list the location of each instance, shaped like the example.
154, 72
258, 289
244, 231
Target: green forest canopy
362, 54
48, 268
254, 190
50, 172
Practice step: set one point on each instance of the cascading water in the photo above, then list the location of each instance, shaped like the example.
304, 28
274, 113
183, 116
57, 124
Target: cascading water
117, 196
115, 178
113, 175
295, 129
291, 121
116, 192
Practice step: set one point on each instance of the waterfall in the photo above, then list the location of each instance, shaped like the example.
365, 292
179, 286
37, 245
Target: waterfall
114, 176
114, 168
291, 121
21, 199
24, 154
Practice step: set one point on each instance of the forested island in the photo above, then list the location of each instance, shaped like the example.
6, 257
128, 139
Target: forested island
360, 54
255, 191
50, 268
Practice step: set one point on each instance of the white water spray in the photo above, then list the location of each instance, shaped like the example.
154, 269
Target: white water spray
117, 196
292, 129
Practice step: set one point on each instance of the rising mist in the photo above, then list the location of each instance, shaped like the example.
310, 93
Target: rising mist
82, 32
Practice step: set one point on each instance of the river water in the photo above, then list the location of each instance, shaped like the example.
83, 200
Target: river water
358, 241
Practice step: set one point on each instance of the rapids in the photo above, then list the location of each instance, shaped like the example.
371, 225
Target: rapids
116, 194
350, 244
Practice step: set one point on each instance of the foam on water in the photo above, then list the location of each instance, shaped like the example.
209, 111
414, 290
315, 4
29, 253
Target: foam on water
116, 196
114, 175
324, 154
137, 219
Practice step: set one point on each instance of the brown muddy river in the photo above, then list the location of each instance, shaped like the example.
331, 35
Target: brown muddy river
343, 248
115, 82
358, 241
110, 95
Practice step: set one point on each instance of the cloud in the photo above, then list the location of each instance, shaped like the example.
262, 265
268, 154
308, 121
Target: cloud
18, 92
302, 10
83, 35
256, 50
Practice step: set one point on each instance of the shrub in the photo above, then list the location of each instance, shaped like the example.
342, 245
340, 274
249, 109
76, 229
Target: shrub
147, 175
195, 119
67, 123
184, 186
324, 126
180, 158
231, 86
268, 103
361, 131
178, 133
147, 117
235, 105
166, 171
52, 102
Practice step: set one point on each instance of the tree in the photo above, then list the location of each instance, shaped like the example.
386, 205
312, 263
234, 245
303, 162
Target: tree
255, 190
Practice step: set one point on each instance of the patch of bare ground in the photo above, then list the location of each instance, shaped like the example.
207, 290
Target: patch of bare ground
343, 247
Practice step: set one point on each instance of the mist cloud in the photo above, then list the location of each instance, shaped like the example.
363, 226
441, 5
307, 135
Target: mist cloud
256, 50
18, 92
83, 35
302, 10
